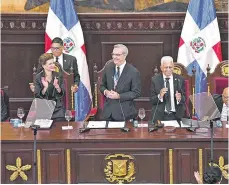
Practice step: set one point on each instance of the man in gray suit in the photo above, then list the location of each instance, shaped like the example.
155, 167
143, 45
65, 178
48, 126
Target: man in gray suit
121, 84
167, 93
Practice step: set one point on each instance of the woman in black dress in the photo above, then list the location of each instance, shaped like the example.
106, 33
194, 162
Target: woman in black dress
49, 85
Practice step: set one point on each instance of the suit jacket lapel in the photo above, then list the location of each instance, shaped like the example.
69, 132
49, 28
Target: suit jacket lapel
123, 74
175, 83
112, 72
66, 63
161, 82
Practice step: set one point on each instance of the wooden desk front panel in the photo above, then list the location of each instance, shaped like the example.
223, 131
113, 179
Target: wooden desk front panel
159, 157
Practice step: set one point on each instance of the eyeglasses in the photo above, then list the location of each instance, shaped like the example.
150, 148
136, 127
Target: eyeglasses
55, 48
116, 54
168, 67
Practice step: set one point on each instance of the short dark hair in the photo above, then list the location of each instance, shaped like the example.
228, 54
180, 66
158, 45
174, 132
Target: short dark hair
212, 175
44, 58
58, 40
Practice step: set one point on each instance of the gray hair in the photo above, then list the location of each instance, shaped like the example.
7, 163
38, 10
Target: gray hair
124, 48
166, 59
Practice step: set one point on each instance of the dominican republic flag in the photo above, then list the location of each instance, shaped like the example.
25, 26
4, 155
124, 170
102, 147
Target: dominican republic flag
200, 41
63, 22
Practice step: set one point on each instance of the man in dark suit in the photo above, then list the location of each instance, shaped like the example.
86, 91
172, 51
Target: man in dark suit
222, 102
167, 93
65, 60
121, 84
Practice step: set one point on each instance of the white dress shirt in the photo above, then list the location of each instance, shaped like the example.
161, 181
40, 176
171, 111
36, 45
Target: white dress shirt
121, 67
171, 92
225, 112
60, 60
120, 72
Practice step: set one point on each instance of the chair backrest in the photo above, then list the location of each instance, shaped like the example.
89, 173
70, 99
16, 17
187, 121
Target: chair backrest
99, 98
5, 114
68, 78
189, 84
218, 79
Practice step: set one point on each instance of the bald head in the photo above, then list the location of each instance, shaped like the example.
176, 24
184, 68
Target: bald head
226, 96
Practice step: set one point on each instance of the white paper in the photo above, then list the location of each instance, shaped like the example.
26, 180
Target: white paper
67, 127
43, 123
173, 123
96, 124
116, 124
185, 125
227, 125
143, 125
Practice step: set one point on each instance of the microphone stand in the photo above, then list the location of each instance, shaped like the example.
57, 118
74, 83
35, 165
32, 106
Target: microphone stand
212, 132
155, 126
35, 127
124, 129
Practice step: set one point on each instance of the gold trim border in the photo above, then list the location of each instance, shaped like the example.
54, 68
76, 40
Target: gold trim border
201, 164
170, 166
38, 166
68, 156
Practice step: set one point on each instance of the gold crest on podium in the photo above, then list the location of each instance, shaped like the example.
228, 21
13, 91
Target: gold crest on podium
119, 168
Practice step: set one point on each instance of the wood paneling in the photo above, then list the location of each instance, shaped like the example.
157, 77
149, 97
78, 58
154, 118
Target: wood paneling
185, 158
8, 157
53, 170
148, 36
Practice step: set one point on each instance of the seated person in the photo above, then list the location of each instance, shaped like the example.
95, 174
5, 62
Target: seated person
121, 84
66, 61
4, 106
49, 85
213, 175
167, 93
222, 102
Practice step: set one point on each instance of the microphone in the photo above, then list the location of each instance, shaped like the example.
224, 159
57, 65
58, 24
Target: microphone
191, 129
82, 130
154, 127
124, 129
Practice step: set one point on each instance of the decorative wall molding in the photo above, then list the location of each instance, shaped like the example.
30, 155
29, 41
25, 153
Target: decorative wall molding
108, 22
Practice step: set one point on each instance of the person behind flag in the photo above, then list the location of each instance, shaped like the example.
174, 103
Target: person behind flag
49, 85
121, 84
167, 93
63, 22
65, 60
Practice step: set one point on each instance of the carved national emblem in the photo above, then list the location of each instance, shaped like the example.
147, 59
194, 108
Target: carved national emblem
198, 44
69, 44
177, 70
224, 70
119, 168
